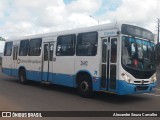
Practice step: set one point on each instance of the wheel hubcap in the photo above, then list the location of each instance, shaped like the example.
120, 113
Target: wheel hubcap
84, 86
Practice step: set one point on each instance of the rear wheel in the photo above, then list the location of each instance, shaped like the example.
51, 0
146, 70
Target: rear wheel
85, 86
22, 76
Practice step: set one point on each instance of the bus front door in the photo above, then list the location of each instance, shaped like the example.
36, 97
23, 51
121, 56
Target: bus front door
47, 61
14, 63
109, 64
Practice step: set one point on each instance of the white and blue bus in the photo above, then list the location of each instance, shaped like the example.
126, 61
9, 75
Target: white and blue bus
115, 58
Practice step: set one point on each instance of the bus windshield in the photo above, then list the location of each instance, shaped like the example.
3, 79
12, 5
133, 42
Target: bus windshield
138, 54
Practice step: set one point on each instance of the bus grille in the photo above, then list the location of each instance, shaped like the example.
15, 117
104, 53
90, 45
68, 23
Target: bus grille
140, 88
140, 82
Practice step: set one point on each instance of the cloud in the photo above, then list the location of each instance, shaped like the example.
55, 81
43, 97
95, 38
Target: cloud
25, 17
21, 17
142, 13
84, 6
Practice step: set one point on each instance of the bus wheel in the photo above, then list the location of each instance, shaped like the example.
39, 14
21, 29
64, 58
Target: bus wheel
85, 86
22, 76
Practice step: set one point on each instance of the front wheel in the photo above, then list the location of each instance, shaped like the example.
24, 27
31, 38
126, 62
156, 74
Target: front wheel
22, 76
85, 86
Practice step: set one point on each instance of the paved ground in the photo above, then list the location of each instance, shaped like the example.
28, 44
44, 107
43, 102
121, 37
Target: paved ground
35, 97
158, 77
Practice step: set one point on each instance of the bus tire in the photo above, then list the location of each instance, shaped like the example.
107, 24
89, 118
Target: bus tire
22, 76
85, 86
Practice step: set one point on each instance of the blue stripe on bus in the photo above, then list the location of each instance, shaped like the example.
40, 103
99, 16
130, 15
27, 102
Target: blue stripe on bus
7, 71
33, 75
62, 79
69, 80
54, 78
14, 72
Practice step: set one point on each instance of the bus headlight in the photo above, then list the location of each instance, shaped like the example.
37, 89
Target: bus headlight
153, 78
126, 77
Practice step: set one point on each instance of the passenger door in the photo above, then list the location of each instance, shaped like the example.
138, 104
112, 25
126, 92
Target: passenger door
47, 61
109, 64
14, 62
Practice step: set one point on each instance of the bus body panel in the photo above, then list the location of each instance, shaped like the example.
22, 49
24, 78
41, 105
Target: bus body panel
6, 65
62, 70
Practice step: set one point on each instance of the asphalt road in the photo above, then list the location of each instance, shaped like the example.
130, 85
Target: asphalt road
35, 97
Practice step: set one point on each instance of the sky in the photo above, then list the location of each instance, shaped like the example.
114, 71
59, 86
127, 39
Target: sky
27, 17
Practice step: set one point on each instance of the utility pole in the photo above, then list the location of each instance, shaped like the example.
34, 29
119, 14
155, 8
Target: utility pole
158, 30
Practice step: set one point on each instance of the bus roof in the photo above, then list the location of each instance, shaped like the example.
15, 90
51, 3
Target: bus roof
72, 31
101, 27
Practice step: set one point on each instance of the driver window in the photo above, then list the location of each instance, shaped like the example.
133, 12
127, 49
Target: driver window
133, 49
144, 51
139, 48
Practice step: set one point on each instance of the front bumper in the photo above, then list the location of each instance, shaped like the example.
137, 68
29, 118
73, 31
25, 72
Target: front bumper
126, 88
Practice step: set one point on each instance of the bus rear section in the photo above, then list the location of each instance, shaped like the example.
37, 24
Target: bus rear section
7, 59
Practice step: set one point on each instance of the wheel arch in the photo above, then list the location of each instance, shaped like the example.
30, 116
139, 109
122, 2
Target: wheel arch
80, 73
20, 68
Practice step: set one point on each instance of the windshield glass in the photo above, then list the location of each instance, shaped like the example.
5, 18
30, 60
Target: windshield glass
138, 54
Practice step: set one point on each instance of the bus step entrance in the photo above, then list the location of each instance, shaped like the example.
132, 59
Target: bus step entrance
46, 82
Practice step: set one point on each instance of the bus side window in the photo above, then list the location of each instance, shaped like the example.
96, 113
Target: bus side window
23, 50
66, 45
35, 47
8, 49
87, 44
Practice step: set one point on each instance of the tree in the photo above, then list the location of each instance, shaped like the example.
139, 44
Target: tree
2, 39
